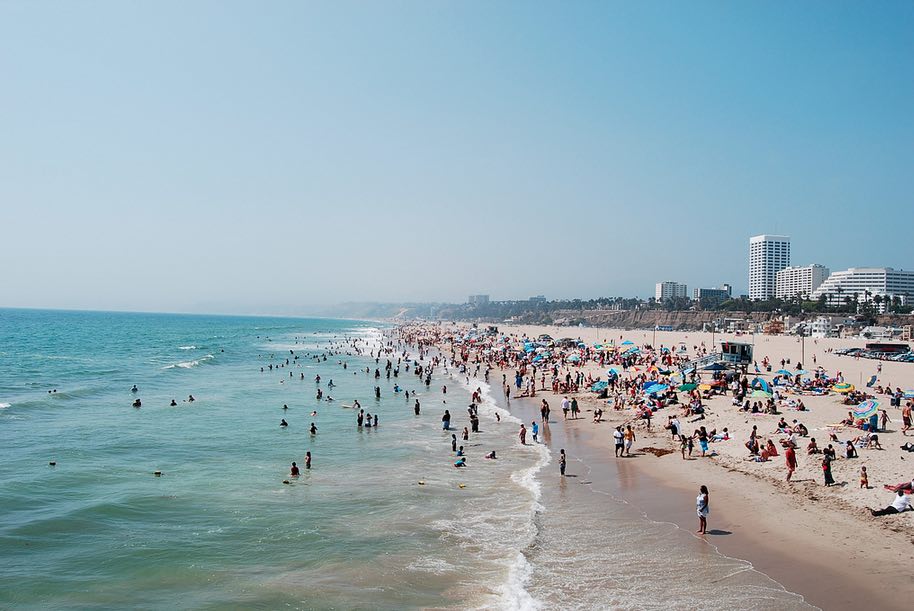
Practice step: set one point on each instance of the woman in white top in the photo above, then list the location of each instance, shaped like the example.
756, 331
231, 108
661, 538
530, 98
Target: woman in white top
702, 505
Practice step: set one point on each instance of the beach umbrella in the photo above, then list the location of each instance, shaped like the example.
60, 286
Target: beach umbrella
613, 371
574, 358
909, 394
688, 387
627, 343
760, 394
784, 372
866, 409
598, 386
801, 372
656, 388
843, 388
704, 387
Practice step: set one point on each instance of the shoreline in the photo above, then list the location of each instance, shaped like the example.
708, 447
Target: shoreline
769, 544
811, 540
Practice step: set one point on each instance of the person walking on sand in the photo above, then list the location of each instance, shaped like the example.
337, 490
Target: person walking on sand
523, 435
790, 457
562, 462
906, 419
629, 439
619, 438
574, 408
703, 508
566, 405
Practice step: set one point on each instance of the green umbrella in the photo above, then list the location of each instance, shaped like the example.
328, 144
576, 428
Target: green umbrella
688, 387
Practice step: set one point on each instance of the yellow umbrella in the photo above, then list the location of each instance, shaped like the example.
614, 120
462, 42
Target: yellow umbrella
843, 388
704, 387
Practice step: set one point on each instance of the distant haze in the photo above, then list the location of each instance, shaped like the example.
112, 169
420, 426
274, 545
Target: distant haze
263, 157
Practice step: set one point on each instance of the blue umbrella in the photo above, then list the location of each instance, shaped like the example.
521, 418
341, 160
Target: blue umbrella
597, 387
613, 371
628, 343
784, 372
656, 388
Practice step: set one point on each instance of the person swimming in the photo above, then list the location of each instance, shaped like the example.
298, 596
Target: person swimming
173, 403
313, 429
137, 403
283, 423
190, 399
461, 462
294, 471
134, 389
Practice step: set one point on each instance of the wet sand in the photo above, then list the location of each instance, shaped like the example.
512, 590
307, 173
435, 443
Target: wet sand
817, 552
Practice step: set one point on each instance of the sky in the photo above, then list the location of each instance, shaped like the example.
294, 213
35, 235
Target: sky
247, 157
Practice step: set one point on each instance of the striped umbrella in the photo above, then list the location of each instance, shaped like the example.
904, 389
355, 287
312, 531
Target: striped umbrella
866, 409
843, 388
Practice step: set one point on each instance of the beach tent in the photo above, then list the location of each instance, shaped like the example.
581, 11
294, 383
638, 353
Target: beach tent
760, 394
762, 384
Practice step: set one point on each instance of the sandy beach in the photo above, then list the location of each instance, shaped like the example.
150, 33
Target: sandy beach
816, 541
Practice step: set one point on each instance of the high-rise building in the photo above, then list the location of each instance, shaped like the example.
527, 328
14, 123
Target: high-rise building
668, 290
793, 281
478, 300
710, 298
768, 254
863, 283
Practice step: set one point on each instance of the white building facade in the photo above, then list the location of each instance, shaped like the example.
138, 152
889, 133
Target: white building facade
768, 254
793, 281
669, 290
862, 284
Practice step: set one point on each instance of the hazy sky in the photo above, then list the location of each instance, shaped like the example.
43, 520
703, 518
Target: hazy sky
249, 157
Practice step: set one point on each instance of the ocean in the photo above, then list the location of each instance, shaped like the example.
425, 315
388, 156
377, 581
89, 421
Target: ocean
219, 528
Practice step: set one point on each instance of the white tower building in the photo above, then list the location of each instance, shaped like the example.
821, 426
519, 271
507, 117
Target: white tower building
768, 254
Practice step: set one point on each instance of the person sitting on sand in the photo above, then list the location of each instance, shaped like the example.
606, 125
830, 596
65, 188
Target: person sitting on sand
900, 504
772, 451
849, 450
812, 448
724, 436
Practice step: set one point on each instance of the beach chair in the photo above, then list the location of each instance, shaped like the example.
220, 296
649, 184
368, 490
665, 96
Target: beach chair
871, 382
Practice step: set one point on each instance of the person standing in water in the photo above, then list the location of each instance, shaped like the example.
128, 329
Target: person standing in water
703, 508
535, 429
562, 461
294, 471
307, 460
523, 435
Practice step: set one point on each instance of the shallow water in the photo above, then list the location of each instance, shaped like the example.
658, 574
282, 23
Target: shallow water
219, 528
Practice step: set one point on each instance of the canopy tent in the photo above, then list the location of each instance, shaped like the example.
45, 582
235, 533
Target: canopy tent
715, 367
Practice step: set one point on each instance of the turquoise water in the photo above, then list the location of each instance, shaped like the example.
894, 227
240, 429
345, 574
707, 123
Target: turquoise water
219, 528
